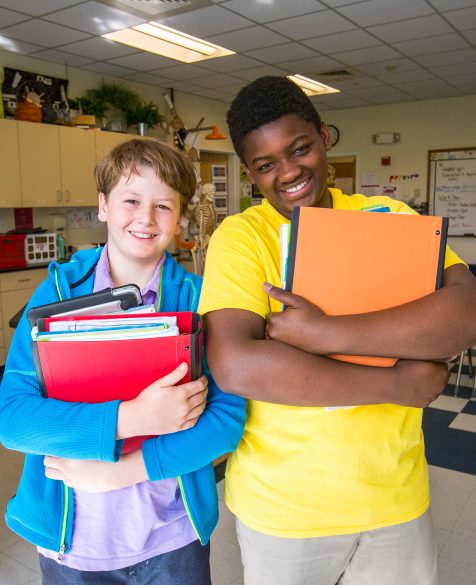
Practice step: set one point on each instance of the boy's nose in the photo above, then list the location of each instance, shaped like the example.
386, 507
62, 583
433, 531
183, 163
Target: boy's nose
147, 215
289, 171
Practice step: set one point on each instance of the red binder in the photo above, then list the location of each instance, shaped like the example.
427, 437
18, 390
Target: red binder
349, 262
98, 371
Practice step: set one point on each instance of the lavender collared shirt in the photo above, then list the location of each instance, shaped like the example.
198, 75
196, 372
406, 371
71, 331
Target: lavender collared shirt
123, 527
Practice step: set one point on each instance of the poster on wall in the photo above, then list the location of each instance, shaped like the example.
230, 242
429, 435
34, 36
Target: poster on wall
47, 92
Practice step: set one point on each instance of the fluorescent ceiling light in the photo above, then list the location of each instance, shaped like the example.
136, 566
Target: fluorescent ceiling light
165, 41
311, 87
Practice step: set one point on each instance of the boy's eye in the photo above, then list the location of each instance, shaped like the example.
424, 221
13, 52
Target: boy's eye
302, 149
131, 201
162, 206
265, 167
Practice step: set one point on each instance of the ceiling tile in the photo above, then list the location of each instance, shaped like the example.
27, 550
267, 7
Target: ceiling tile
429, 45
448, 57
312, 25
454, 70
275, 10
381, 68
247, 39
470, 35
337, 3
280, 53
357, 83
428, 93
443, 5
229, 63
464, 19
149, 79
395, 98
210, 93
319, 63
463, 83
138, 61
45, 34
19, 47
368, 55
342, 100
345, 41
108, 69
95, 18
414, 87
384, 11
183, 71
37, 8
8, 17
255, 72
398, 77
217, 80
415, 28
97, 47
206, 21
62, 57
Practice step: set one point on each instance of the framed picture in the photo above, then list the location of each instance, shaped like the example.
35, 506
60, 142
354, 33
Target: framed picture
218, 172
220, 187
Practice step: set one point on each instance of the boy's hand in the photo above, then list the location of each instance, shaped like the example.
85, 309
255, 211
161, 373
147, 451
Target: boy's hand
162, 407
97, 476
418, 383
299, 325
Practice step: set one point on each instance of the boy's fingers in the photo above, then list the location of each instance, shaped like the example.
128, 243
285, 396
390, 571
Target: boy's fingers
280, 294
174, 377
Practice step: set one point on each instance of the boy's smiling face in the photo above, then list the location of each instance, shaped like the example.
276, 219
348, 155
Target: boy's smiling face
142, 215
287, 159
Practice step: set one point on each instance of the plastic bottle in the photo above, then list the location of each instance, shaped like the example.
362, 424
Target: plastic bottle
60, 244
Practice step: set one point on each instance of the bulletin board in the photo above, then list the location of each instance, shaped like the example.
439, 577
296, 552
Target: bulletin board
452, 188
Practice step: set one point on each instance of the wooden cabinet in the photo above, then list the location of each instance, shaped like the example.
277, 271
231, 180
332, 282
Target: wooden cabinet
10, 186
77, 151
40, 165
106, 141
57, 164
16, 289
44, 165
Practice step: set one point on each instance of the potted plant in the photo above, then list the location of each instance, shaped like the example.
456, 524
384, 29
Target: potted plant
145, 115
110, 99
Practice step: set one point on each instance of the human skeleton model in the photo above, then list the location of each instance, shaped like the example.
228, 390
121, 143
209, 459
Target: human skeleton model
204, 220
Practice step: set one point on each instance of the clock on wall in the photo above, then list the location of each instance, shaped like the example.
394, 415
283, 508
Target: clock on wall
334, 134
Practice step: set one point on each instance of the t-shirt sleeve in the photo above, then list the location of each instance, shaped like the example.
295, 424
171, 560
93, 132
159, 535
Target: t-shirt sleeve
234, 272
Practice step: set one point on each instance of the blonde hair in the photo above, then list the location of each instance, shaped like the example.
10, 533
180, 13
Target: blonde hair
170, 165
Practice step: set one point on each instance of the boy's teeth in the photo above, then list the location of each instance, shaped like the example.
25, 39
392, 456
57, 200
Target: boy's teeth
296, 188
144, 236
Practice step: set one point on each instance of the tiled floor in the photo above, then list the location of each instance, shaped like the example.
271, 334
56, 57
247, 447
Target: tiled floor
453, 505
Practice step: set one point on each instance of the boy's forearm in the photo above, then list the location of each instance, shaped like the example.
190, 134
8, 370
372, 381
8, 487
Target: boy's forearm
275, 372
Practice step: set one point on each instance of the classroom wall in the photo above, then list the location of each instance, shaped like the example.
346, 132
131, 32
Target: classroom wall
423, 126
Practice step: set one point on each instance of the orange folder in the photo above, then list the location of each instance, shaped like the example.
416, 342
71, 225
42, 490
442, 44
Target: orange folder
349, 262
99, 371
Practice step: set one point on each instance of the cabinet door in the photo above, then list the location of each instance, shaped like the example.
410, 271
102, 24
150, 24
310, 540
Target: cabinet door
106, 141
10, 187
16, 290
77, 166
40, 165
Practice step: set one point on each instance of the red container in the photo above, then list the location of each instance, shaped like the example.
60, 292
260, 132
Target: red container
12, 250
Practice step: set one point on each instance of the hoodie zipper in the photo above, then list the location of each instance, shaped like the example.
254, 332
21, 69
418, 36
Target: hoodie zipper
187, 509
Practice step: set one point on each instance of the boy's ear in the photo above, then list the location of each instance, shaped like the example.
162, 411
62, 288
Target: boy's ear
325, 136
178, 227
102, 207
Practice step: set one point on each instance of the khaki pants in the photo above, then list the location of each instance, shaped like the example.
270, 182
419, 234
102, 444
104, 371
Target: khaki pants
404, 554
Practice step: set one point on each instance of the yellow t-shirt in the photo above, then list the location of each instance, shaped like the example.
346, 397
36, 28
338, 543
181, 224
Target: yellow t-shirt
306, 471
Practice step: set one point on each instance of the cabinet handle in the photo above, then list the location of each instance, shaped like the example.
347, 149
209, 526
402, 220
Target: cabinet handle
67, 195
58, 196
24, 280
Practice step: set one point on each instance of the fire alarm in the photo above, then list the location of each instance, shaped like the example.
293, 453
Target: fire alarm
386, 160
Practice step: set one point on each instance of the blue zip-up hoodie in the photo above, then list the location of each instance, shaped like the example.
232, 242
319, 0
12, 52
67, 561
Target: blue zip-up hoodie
42, 509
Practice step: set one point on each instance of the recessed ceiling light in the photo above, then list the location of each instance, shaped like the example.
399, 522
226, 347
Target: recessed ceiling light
311, 87
168, 42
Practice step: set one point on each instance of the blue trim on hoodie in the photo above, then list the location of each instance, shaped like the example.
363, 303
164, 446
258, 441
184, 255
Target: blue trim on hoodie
35, 426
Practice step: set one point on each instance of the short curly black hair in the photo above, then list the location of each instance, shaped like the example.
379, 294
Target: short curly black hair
264, 100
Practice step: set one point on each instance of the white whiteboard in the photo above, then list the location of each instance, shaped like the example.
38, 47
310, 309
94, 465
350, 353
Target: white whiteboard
452, 188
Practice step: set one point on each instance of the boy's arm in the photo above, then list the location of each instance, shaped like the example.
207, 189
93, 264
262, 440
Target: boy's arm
434, 327
244, 362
